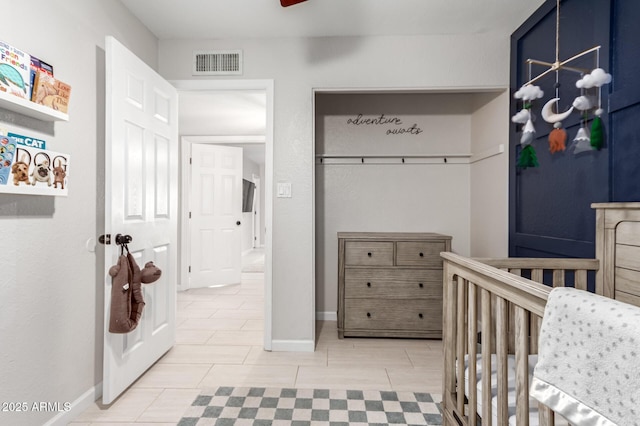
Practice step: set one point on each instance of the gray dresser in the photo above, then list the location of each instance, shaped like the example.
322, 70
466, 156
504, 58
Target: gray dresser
390, 284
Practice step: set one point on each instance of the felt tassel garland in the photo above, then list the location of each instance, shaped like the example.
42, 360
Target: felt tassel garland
528, 158
557, 140
596, 133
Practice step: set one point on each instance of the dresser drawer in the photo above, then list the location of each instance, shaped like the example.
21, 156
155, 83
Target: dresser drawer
419, 253
393, 283
395, 314
368, 253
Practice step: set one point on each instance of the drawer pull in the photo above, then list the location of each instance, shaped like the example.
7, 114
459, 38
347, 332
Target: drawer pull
421, 285
420, 315
368, 314
421, 254
369, 254
368, 284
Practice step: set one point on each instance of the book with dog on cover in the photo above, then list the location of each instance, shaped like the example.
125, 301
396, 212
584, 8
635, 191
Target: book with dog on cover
15, 71
38, 65
51, 92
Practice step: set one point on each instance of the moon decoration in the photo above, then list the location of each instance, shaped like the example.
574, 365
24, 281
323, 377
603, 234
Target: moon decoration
558, 136
528, 132
582, 141
549, 116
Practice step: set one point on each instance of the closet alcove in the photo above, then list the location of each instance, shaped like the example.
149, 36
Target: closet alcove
408, 161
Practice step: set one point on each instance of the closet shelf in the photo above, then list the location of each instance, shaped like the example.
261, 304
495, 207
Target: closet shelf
31, 109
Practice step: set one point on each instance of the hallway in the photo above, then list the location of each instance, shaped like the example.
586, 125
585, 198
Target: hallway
220, 341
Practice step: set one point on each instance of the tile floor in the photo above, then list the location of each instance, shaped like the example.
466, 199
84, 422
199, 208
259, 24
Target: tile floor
219, 343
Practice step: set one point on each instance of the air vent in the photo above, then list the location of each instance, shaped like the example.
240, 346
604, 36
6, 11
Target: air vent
217, 62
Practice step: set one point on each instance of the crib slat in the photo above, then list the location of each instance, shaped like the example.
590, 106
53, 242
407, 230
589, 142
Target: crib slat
545, 415
522, 366
581, 279
536, 322
473, 352
460, 341
449, 331
501, 358
486, 355
537, 275
558, 278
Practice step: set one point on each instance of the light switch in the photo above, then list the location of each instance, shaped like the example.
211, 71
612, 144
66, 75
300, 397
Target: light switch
284, 189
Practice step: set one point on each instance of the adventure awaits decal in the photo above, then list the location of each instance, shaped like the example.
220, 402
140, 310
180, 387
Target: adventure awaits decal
393, 125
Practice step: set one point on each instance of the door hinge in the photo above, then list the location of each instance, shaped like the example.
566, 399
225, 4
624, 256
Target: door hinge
104, 239
190, 160
189, 268
189, 215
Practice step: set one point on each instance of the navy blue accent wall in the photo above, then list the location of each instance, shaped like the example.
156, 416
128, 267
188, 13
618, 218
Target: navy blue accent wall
550, 211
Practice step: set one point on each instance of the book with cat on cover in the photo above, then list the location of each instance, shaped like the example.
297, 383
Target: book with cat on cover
51, 92
15, 71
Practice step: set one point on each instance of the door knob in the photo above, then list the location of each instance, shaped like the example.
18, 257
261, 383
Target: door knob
238, 223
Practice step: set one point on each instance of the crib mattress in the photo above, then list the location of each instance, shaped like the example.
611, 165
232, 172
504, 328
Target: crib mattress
511, 384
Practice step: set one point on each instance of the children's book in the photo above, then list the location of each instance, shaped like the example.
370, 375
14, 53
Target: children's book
51, 92
29, 170
15, 71
38, 65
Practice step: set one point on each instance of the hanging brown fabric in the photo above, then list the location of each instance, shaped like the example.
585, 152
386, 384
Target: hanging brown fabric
127, 302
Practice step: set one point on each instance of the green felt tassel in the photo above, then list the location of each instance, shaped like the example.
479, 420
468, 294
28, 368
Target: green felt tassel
596, 133
528, 158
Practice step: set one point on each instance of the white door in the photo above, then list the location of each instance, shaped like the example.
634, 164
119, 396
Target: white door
216, 215
141, 165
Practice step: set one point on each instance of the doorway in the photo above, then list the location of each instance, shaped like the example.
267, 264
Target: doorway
198, 136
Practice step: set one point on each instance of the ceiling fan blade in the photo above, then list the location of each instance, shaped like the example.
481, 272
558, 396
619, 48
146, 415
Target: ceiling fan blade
285, 3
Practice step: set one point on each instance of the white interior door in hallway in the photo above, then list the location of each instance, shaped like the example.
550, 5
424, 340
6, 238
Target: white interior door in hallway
266, 86
141, 200
215, 215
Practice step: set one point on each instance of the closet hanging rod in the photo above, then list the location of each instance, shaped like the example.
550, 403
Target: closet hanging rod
394, 159
397, 156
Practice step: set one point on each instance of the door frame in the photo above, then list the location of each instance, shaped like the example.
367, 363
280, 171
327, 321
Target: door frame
186, 141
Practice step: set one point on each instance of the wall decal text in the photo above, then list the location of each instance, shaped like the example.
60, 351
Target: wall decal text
394, 124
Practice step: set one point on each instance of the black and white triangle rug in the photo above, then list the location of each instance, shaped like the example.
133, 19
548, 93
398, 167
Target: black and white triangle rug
286, 406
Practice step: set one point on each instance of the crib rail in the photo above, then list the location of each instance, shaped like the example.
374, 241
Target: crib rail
489, 298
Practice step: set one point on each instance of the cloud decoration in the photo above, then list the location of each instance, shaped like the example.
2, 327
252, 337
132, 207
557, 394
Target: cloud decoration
522, 116
597, 78
582, 103
529, 93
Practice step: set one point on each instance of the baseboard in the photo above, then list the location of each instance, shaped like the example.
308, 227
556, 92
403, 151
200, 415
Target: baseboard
77, 407
326, 316
293, 346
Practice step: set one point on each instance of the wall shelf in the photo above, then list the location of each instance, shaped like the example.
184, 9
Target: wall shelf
31, 109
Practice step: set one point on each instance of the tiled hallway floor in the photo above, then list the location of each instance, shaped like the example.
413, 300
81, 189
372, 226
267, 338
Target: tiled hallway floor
219, 343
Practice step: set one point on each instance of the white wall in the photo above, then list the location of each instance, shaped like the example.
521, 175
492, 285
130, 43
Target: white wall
297, 67
51, 286
490, 123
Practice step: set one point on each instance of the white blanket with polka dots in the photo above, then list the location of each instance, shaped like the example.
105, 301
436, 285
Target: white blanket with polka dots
589, 359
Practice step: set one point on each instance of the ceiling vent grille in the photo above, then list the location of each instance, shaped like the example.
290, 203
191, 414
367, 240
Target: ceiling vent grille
217, 62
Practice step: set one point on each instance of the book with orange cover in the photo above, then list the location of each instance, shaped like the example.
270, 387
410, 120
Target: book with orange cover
51, 92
